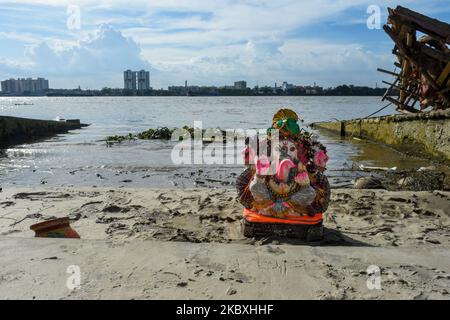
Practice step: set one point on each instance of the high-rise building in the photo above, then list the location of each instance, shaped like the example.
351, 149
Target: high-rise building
129, 80
136, 80
143, 78
41, 84
28, 85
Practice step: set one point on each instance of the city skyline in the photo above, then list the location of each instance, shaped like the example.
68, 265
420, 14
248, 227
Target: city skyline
132, 82
137, 83
207, 43
24, 85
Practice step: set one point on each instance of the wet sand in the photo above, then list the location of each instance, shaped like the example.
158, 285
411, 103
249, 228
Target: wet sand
175, 243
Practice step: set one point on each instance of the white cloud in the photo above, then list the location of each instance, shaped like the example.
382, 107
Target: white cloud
298, 61
96, 61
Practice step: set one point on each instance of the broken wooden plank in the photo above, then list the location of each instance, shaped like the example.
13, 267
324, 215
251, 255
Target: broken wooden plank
388, 89
406, 53
433, 53
388, 72
399, 88
401, 106
433, 27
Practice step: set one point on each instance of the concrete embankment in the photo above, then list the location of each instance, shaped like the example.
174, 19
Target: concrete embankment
422, 134
20, 130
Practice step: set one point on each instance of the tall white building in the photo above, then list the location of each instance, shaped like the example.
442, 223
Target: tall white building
143, 78
129, 80
41, 84
27, 85
136, 80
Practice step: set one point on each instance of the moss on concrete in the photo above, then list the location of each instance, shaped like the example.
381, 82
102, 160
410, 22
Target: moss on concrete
420, 134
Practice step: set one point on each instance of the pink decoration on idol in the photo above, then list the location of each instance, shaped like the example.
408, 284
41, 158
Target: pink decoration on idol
302, 178
321, 158
262, 165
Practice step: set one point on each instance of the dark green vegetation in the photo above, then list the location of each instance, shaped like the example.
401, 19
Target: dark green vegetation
150, 134
163, 133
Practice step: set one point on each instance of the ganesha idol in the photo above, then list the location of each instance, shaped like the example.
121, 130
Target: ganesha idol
284, 189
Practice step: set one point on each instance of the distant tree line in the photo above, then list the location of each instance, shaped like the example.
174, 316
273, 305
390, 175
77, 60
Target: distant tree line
350, 90
341, 90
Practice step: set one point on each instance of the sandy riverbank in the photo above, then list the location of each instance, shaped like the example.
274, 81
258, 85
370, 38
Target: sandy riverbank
174, 243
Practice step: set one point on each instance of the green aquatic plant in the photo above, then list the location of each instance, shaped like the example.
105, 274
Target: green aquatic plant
162, 133
146, 135
118, 139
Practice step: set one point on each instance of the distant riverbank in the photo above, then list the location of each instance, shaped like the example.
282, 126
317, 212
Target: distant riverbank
343, 90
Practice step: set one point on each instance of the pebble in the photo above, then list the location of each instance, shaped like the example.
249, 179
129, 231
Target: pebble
197, 271
368, 183
182, 284
231, 291
436, 277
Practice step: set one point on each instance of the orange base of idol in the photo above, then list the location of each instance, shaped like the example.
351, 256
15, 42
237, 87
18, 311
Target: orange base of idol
309, 228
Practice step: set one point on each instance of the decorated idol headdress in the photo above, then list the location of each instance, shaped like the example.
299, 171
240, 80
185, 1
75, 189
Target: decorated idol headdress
285, 120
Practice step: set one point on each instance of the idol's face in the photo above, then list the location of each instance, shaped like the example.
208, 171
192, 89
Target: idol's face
287, 150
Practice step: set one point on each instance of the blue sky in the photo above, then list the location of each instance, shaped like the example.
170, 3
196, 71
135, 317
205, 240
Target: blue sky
207, 42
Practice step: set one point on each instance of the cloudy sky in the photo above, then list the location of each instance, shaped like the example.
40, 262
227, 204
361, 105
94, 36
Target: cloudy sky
207, 42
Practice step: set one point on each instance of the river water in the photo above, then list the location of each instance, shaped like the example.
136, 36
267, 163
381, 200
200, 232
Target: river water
81, 157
